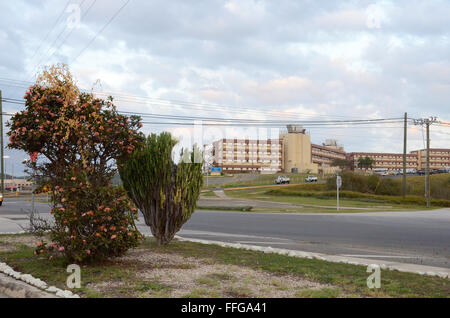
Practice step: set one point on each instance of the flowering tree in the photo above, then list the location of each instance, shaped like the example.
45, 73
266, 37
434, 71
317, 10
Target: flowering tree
79, 135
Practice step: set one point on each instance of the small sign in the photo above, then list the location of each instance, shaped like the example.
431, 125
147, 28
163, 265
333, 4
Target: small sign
216, 171
339, 181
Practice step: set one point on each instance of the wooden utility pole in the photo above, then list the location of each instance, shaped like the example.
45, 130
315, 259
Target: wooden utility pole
427, 169
427, 122
1, 144
404, 155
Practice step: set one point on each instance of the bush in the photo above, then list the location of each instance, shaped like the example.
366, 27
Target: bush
351, 182
91, 223
372, 182
388, 186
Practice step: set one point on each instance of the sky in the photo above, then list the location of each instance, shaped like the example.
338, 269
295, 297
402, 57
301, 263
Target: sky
246, 59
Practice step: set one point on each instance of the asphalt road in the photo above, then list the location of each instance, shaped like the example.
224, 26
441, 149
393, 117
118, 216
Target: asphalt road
421, 237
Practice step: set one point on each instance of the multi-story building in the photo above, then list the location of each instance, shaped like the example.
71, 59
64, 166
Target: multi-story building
293, 152
389, 161
439, 158
323, 156
245, 155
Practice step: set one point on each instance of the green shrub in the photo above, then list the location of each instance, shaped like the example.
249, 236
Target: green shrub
388, 186
372, 182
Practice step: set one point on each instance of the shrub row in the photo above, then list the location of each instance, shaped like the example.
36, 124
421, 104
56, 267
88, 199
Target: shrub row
374, 184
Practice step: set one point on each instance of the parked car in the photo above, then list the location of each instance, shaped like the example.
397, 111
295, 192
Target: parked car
282, 180
421, 172
1, 199
311, 179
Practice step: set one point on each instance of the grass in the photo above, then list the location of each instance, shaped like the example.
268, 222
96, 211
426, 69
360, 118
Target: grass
226, 208
319, 202
343, 279
319, 293
208, 194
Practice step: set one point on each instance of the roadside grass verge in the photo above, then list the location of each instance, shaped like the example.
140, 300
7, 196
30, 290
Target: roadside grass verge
226, 208
208, 194
120, 277
361, 197
318, 202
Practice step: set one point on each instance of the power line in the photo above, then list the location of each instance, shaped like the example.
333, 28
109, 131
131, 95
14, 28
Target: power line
51, 45
101, 30
51, 29
253, 121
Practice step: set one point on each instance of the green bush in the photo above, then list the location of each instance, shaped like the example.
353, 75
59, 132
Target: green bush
388, 186
372, 182
351, 182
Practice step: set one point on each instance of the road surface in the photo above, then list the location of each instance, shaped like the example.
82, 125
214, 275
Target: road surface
419, 237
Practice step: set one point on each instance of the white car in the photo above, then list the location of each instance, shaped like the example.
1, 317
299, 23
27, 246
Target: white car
311, 179
282, 180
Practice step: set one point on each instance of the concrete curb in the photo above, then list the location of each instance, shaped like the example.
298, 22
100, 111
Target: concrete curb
17, 285
14, 288
385, 265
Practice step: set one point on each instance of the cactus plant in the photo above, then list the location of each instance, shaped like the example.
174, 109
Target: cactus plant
166, 193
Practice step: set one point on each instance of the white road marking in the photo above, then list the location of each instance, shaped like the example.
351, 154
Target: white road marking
256, 242
378, 256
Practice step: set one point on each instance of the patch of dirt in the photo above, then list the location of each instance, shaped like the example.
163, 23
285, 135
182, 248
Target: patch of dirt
187, 276
10, 243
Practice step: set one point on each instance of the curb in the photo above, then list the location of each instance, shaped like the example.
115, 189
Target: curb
17, 285
401, 267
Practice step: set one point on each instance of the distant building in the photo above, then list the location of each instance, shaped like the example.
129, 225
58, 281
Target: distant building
439, 158
17, 185
245, 155
389, 161
293, 152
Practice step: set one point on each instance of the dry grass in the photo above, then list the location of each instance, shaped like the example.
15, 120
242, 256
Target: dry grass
173, 275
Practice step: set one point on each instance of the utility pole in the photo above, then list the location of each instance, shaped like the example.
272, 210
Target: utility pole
404, 155
427, 122
205, 164
1, 145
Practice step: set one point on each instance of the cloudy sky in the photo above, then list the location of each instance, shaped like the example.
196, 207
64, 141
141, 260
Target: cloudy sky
283, 60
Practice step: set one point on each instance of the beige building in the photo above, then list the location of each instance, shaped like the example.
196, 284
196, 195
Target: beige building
389, 161
17, 184
245, 155
297, 150
324, 155
293, 152
439, 158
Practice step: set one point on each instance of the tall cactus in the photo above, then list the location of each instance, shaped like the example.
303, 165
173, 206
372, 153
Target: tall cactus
165, 193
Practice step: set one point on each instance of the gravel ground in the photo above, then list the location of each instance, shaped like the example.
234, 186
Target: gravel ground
186, 276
